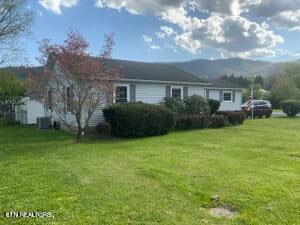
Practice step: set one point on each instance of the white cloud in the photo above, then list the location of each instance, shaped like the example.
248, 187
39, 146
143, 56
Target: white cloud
186, 41
147, 39
165, 32
253, 53
285, 52
140, 6
225, 29
55, 5
233, 36
155, 47
287, 19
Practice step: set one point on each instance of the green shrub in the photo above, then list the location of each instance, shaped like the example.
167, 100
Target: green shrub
188, 122
196, 105
176, 105
233, 117
214, 106
290, 107
136, 119
217, 121
103, 128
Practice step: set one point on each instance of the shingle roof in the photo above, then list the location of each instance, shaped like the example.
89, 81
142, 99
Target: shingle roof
224, 84
153, 72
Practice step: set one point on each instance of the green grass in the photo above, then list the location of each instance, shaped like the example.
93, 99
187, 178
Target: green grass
254, 168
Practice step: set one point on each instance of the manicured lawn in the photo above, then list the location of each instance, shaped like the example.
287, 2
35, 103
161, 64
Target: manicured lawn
254, 168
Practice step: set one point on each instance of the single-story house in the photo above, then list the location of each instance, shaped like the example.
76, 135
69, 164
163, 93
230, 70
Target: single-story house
152, 82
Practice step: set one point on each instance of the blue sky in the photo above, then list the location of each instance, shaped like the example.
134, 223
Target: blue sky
173, 30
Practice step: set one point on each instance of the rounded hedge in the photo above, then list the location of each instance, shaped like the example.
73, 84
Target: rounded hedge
290, 107
233, 117
214, 106
176, 105
196, 105
136, 119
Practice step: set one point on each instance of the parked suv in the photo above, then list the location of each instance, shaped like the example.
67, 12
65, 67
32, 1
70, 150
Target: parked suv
260, 108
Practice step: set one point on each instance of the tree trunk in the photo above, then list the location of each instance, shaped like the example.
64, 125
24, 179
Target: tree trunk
78, 138
79, 128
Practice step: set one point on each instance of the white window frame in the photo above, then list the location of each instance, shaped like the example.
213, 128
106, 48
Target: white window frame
227, 92
176, 87
121, 85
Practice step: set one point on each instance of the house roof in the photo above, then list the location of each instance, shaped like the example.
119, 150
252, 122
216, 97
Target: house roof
220, 83
132, 70
162, 72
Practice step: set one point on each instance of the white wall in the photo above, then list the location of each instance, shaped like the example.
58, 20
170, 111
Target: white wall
150, 93
196, 90
236, 105
155, 93
34, 110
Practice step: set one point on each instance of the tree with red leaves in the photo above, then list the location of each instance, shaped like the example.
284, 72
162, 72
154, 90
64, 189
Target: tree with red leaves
79, 82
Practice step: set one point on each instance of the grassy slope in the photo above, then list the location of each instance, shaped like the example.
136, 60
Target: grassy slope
254, 168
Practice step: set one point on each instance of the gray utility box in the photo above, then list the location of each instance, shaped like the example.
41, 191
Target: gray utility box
43, 122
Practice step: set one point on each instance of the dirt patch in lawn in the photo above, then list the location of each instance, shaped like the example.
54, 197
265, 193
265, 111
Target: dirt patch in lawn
222, 212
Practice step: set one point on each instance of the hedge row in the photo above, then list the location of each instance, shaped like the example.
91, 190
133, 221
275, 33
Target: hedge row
233, 117
139, 119
189, 122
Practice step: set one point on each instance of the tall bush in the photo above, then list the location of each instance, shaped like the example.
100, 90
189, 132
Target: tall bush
176, 105
290, 107
136, 119
214, 106
196, 105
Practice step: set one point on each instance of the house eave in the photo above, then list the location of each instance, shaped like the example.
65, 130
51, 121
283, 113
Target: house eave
208, 85
164, 82
222, 88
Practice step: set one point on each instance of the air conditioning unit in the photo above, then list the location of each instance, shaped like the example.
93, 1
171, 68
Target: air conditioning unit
43, 122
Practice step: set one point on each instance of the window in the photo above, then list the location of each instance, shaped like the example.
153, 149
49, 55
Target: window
176, 92
121, 94
227, 96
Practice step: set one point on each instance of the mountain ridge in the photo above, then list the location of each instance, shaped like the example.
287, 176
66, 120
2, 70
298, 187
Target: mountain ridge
212, 69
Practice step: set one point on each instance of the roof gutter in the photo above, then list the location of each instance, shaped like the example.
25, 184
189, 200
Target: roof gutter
164, 82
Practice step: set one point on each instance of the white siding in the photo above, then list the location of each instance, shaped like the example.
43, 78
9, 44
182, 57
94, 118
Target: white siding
31, 110
154, 93
97, 116
214, 94
196, 90
233, 105
150, 93
236, 105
